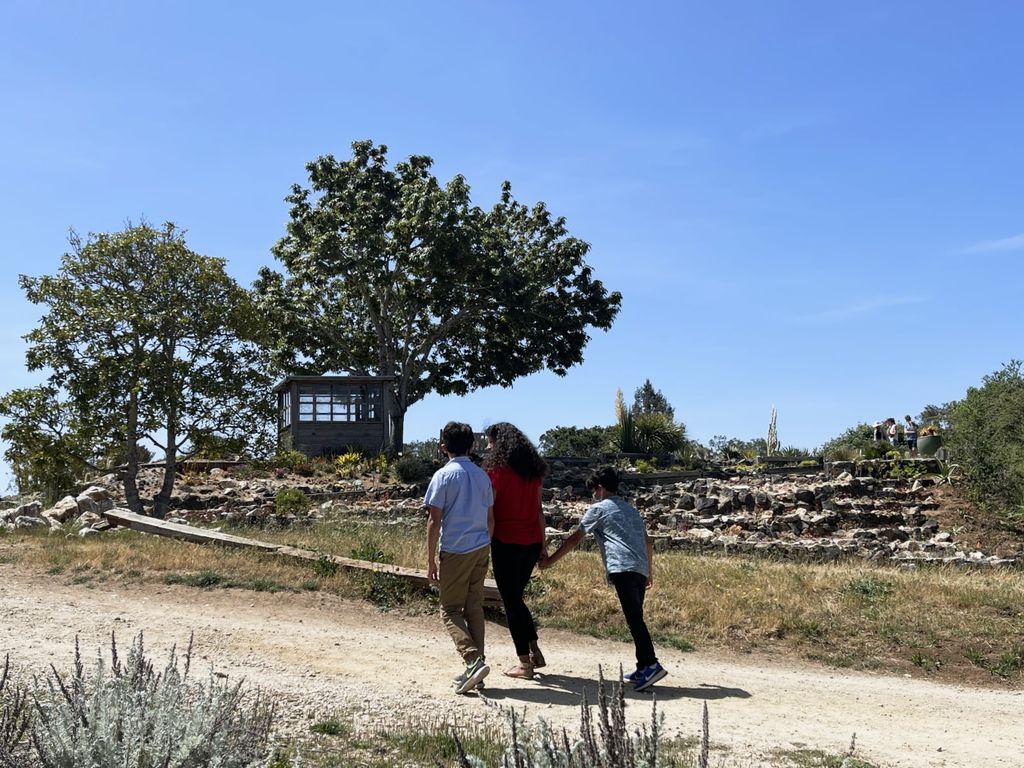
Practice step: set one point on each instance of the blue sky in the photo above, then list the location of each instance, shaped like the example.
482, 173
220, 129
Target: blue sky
812, 205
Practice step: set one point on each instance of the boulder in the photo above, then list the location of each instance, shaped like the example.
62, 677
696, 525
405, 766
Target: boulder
707, 505
95, 499
30, 509
63, 510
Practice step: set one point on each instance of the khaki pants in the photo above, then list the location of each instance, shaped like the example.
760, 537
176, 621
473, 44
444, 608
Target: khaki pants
462, 600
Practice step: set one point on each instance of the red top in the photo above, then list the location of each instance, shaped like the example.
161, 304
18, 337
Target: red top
516, 507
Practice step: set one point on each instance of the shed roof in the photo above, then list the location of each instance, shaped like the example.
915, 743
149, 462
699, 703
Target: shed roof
287, 380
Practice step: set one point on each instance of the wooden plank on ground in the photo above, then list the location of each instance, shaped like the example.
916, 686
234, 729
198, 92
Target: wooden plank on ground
157, 527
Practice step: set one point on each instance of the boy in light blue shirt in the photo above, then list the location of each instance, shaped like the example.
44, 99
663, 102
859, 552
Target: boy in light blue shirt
628, 554
460, 518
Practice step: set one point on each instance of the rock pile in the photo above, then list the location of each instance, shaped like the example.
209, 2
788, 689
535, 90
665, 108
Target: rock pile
812, 517
85, 510
817, 517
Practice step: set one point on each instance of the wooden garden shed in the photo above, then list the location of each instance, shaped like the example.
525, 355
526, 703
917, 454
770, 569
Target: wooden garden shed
325, 415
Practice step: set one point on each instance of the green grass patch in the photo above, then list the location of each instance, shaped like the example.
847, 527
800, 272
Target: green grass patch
1005, 665
202, 579
867, 588
331, 727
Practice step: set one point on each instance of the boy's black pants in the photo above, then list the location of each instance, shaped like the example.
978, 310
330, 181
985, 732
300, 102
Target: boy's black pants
631, 588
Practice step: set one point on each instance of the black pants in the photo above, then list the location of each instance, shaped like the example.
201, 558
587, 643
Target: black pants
631, 588
513, 564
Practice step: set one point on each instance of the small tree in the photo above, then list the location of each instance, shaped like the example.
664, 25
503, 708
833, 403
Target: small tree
145, 340
48, 449
647, 399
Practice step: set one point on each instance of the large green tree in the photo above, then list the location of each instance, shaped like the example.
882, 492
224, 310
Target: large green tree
146, 341
985, 434
389, 272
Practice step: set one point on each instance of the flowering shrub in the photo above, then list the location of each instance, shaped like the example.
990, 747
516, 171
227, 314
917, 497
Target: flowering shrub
126, 715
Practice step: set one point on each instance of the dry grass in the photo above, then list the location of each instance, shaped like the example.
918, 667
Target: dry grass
967, 625
951, 624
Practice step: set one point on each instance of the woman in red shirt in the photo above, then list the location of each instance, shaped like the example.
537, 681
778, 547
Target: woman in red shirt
517, 472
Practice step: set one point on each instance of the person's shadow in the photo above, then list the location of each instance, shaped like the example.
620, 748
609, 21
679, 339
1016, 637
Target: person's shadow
570, 690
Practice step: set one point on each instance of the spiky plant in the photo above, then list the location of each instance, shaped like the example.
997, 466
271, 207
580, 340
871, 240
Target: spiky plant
129, 716
15, 717
606, 743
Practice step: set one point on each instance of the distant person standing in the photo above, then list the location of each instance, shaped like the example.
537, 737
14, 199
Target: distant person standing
460, 517
892, 432
628, 554
879, 436
910, 433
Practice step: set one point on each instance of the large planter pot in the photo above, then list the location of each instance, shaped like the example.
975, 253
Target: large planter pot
928, 445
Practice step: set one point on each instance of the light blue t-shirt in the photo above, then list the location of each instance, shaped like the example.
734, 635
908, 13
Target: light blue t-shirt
463, 493
620, 533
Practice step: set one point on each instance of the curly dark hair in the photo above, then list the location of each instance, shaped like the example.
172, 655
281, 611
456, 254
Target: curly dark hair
514, 450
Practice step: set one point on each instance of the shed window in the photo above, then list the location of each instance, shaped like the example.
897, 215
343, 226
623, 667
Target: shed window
339, 402
286, 409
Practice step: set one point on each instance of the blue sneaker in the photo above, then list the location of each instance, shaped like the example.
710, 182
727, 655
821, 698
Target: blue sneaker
644, 679
632, 677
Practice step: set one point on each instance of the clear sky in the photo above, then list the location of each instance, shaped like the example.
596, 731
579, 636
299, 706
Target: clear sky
812, 205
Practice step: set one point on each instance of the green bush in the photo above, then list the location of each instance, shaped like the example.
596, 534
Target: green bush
425, 450
876, 449
291, 501
987, 439
126, 715
855, 440
349, 464
289, 460
643, 466
385, 590
411, 469
582, 442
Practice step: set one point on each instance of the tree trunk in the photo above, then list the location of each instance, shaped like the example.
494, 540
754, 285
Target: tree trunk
162, 502
397, 430
131, 455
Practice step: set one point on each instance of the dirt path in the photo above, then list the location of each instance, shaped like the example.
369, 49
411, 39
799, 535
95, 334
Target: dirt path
322, 655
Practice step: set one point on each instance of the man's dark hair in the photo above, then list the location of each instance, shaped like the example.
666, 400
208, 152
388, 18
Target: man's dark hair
606, 477
457, 438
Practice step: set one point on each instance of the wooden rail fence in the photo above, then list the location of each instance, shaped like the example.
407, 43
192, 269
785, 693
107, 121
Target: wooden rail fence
203, 536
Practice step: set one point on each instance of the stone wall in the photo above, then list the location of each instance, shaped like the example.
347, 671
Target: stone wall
820, 517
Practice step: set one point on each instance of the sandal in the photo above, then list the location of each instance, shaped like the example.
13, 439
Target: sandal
520, 672
537, 659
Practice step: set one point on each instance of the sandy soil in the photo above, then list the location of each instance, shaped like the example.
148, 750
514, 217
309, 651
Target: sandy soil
323, 655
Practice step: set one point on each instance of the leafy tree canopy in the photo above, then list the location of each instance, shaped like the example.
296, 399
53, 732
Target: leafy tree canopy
389, 272
144, 340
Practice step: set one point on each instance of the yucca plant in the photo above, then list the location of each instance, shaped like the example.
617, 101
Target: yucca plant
657, 433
